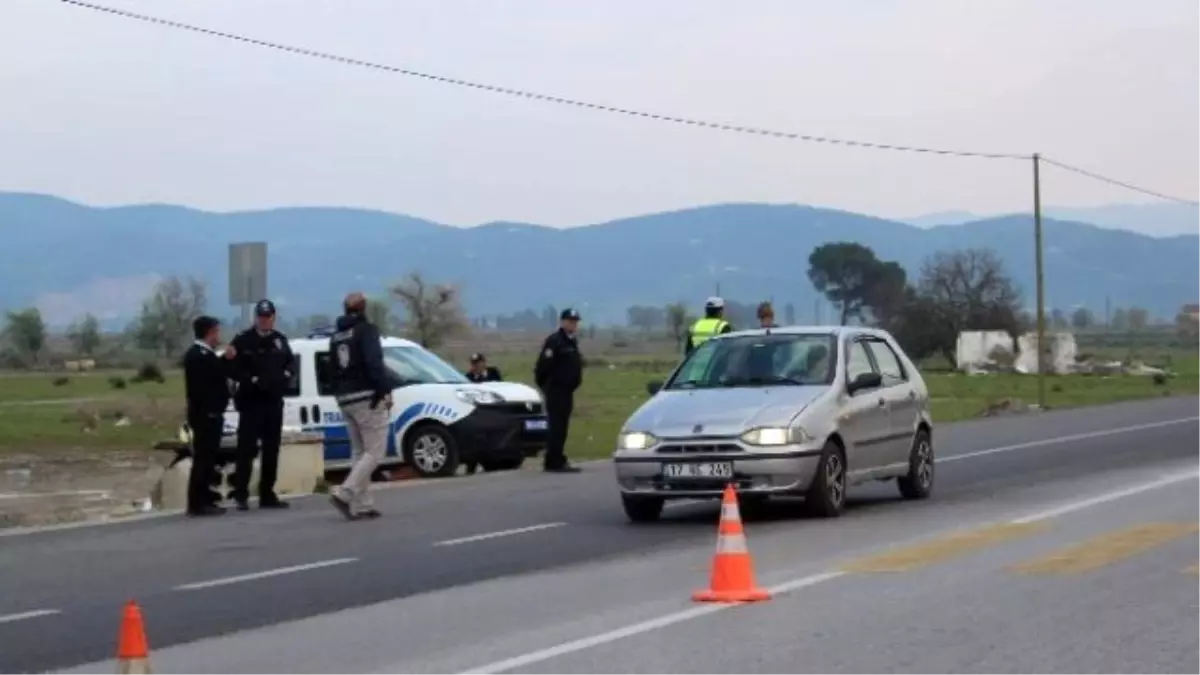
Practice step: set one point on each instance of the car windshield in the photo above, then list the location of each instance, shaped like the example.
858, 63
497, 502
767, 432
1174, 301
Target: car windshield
780, 359
413, 365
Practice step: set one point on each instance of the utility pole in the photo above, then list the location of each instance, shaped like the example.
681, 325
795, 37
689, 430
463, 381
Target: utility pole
1040, 281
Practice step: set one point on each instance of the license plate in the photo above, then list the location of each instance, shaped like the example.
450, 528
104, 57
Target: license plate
536, 425
698, 470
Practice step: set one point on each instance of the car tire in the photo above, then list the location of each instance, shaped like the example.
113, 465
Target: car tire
642, 509
918, 484
431, 451
826, 496
505, 464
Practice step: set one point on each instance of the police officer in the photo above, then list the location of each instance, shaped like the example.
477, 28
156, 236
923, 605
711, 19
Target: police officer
205, 378
363, 389
264, 367
480, 371
558, 373
712, 325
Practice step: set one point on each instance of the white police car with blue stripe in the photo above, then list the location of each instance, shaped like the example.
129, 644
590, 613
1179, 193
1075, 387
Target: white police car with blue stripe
439, 418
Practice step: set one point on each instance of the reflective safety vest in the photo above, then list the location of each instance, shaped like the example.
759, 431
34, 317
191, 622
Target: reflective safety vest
705, 329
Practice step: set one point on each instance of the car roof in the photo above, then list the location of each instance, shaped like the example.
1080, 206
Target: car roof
319, 342
833, 330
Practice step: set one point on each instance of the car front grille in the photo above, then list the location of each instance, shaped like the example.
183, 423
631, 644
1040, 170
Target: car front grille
697, 448
518, 408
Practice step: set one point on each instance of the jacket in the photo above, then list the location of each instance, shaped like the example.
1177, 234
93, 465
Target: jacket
263, 368
357, 362
559, 368
205, 382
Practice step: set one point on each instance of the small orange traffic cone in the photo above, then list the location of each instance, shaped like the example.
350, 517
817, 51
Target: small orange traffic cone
732, 571
132, 653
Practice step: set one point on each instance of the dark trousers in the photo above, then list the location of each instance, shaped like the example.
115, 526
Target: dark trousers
258, 426
206, 442
558, 413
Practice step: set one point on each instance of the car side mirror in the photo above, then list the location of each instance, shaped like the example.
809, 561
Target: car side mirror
654, 386
865, 381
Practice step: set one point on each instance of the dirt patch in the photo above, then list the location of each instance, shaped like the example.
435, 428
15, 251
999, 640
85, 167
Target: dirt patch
44, 488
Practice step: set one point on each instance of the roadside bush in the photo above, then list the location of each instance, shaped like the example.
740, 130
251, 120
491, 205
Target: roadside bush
60, 381
116, 382
149, 372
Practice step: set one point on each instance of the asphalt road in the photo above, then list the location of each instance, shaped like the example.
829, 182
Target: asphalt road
529, 572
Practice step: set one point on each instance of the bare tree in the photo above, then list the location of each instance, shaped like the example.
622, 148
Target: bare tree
85, 335
379, 312
434, 310
165, 324
677, 321
969, 290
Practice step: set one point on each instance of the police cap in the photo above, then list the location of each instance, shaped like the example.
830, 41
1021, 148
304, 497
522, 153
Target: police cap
569, 314
264, 307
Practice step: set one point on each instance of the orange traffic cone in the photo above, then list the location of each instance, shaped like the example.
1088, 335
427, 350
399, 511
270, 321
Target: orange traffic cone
732, 571
132, 653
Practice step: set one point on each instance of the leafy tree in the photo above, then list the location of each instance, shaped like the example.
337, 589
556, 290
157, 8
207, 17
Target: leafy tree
855, 280
1120, 319
434, 310
165, 323
85, 335
1138, 318
1082, 319
25, 331
645, 317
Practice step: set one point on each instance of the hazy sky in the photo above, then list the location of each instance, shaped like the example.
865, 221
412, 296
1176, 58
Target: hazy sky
111, 111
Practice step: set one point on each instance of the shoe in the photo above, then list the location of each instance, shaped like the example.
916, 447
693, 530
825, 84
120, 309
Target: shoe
276, 503
369, 514
342, 506
243, 505
207, 510
565, 468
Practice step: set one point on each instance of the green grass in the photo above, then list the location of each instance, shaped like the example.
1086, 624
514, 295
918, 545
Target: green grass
613, 388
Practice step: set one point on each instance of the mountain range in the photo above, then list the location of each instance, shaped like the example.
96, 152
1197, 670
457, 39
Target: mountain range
1160, 219
68, 258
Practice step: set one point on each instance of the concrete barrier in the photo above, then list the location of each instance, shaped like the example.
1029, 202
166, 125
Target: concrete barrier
301, 469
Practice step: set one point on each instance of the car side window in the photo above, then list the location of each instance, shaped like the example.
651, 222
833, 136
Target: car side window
890, 368
858, 361
324, 374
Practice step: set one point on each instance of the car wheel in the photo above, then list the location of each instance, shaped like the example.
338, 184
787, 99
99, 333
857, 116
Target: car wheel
826, 496
642, 509
431, 452
918, 484
506, 464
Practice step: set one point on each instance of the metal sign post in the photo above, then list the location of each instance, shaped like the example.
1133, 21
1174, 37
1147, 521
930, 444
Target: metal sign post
247, 276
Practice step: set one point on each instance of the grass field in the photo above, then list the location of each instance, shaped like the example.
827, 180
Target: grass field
80, 415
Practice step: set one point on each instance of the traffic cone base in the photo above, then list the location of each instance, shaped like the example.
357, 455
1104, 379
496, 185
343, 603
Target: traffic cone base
732, 570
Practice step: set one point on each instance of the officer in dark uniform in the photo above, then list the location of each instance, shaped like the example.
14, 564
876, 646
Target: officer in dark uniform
480, 371
558, 373
205, 380
264, 367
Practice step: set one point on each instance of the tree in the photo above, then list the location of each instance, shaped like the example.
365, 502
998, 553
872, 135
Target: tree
885, 294
1120, 319
550, 317
852, 278
1058, 319
645, 317
165, 324
677, 321
968, 290
379, 312
434, 310
1082, 319
85, 335
26, 333
1138, 318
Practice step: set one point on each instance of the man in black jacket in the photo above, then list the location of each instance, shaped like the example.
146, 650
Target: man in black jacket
264, 368
480, 371
558, 373
363, 389
206, 382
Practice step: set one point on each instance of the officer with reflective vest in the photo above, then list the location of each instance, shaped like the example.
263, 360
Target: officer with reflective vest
712, 325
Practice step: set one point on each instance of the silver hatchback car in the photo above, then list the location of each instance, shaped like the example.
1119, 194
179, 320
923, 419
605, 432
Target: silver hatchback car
797, 411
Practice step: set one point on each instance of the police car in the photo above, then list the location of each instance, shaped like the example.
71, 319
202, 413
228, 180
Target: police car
439, 418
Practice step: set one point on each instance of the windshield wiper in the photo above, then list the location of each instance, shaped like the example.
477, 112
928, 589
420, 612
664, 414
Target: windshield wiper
688, 384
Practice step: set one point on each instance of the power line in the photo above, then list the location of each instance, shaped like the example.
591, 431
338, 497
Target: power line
1118, 183
719, 126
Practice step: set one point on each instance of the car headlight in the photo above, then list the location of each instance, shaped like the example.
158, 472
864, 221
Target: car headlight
478, 396
769, 436
635, 440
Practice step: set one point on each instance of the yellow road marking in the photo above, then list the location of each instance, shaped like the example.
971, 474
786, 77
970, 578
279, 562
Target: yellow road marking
1107, 549
942, 548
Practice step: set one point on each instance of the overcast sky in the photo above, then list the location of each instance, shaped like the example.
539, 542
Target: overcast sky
110, 111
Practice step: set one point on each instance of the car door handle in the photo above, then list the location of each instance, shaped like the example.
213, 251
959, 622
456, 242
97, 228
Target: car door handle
912, 395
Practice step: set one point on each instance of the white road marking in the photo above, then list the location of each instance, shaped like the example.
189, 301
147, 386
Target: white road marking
9, 618
1065, 439
1108, 497
795, 584
643, 627
501, 533
264, 574
60, 493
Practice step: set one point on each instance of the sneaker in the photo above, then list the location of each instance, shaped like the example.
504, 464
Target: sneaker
341, 505
565, 468
206, 510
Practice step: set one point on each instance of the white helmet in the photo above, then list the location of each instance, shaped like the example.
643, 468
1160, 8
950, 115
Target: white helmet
714, 303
